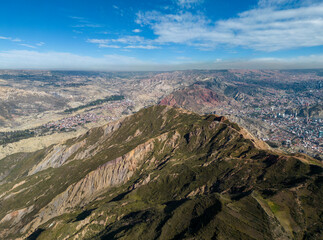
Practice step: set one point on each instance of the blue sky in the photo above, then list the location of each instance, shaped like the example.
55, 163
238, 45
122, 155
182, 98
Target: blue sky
161, 34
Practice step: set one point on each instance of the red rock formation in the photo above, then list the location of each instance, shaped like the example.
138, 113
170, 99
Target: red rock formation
193, 98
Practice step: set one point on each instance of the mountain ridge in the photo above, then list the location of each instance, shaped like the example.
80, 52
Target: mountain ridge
154, 165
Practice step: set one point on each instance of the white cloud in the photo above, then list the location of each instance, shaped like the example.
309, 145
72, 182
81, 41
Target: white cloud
137, 30
84, 23
27, 45
123, 40
130, 40
11, 39
77, 18
142, 46
175, 28
104, 32
99, 41
274, 3
118, 10
102, 45
286, 3
265, 29
26, 59
5, 38
88, 25
126, 42
268, 27
188, 3
16, 40
76, 31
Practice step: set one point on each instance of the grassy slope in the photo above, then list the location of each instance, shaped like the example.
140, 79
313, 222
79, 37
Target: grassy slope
210, 183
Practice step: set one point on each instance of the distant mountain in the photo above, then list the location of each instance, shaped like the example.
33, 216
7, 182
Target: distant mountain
195, 98
214, 93
162, 173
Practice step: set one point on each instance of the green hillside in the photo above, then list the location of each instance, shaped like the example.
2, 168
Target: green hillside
162, 173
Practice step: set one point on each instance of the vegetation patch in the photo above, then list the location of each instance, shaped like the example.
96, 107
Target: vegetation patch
96, 102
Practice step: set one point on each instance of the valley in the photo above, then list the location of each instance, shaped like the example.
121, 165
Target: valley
281, 107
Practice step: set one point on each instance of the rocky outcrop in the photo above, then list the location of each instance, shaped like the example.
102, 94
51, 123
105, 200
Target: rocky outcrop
257, 143
194, 98
111, 127
60, 153
15, 216
57, 157
112, 173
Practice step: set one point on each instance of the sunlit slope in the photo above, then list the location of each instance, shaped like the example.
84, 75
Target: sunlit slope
162, 173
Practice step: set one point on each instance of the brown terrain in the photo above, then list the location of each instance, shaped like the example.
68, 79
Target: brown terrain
195, 98
273, 105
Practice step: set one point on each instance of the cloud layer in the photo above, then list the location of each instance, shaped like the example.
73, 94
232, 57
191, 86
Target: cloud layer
272, 25
262, 28
183, 29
